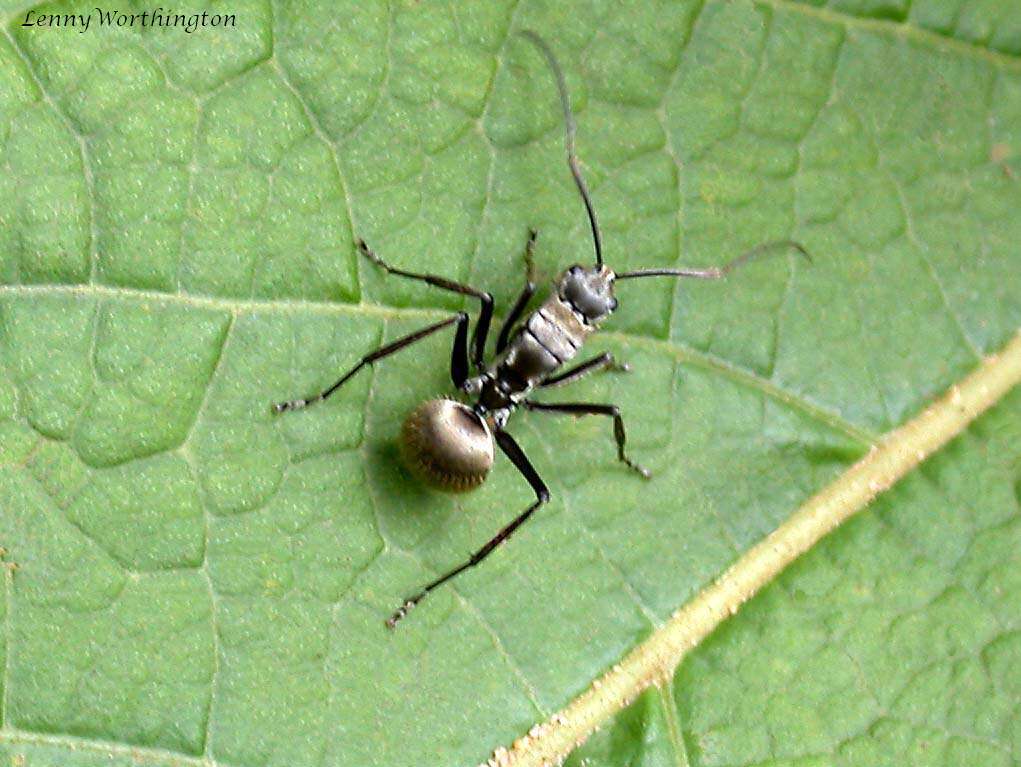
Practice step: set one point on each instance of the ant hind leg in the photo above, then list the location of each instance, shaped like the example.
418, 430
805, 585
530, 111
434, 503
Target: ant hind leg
517, 456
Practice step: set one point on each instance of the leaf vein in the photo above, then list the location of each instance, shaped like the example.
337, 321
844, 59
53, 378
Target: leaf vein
655, 659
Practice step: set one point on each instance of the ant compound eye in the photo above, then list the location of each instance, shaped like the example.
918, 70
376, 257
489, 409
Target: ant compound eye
613, 304
575, 270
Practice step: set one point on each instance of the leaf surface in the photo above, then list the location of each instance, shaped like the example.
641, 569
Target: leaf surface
200, 582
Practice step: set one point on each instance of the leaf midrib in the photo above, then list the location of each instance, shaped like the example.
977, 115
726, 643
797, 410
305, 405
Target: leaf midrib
655, 659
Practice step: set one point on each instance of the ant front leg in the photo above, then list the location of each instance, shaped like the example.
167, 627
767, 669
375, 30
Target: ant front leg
589, 408
523, 298
481, 331
458, 360
517, 456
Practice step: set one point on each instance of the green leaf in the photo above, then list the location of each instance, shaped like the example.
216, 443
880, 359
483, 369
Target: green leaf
200, 582
985, 23
893, 642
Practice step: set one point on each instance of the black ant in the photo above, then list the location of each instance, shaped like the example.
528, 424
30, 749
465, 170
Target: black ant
449, 444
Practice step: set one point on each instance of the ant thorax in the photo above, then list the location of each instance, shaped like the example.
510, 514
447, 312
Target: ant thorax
548, 339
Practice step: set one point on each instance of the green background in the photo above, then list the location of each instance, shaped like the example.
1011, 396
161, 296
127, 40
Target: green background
199, 582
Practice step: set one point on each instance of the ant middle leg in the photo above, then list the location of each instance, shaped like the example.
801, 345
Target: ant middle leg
481, 331
523, 298
458, 360
589, 408
517, 456
604, 361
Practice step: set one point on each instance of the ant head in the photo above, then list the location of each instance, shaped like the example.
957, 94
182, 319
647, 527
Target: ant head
447, 445
589, 290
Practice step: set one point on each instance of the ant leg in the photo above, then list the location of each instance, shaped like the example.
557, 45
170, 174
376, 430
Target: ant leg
511, 449
458, 361
588, 408
523, 298
481, 331
604, 361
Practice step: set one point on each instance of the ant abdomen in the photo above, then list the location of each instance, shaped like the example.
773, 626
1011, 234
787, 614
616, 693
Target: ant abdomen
447, 445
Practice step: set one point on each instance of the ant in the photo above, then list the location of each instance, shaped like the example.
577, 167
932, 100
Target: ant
449, 444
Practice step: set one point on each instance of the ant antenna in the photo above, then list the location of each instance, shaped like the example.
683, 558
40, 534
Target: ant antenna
718, 272
569, 130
